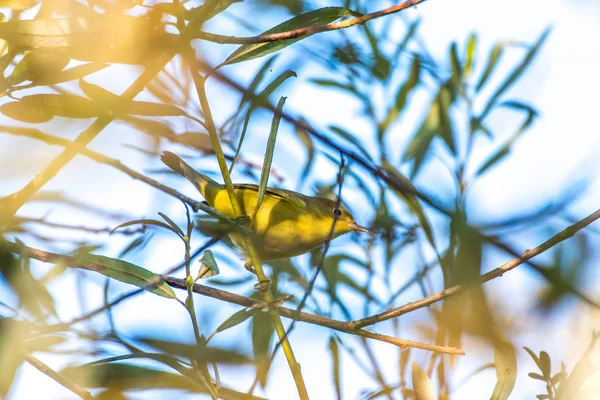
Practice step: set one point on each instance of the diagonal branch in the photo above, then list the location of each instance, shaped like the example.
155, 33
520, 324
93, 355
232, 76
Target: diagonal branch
49, 257
308, 31
509, 266
340, 326
79, 391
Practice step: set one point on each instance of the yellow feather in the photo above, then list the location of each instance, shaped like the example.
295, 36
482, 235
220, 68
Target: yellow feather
287, 223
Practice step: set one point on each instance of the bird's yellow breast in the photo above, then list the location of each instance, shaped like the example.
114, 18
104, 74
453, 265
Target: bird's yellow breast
283, 227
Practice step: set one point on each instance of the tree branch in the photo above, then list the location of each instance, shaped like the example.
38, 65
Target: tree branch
79, 391
527, 254
303, 32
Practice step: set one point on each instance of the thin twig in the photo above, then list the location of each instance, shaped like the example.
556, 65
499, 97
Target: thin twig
79, 391
46, 256
303, 32
307, 317
527, 254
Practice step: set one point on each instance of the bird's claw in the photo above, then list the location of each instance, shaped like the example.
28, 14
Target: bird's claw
262, 285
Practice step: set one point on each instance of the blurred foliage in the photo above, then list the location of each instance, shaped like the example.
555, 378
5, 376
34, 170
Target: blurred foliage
52, 51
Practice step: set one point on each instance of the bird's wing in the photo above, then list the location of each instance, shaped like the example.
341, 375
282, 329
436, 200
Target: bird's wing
289, 196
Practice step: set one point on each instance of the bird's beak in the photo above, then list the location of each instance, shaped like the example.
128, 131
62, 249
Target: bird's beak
358, 228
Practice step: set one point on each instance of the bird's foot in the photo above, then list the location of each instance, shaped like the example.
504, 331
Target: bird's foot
263, 285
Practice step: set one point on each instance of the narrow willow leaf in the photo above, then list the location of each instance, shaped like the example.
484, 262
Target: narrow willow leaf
456, 67
12, 334
505, 149
411, 82
410, 33
262, 334
307, 141
545, 366
38, 64
470, 55
62, 105
516, 73
492, 62
209, 267
335, 361
262, 97
209, 9
144, 222
234, 320
506, 369
334, 84
98, 93
71, 74
174, 227
121, 376
352, 138
149, 109
318, 17
126, 272
422, 386
193, 351
23, 112
411, 201
268, 160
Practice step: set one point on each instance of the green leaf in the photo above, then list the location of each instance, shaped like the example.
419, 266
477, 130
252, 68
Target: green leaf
505, 149
307, 141
71, 74
262, 334
174, 227
318, 17
208, 10
144, 222
410, 33
126, 272
335, 361
436, 123
493, 59
515, 74
506, 369
539, 377
334, 84
412, 81
268, 160
470, 55
23, 112
545, 366
61, 105
38, 64
150, 109
455, 64
422, 386
234, 320
98, 93
209, 266
254, 102
12, 334
120, 376
411, 201
352, 138
193, 351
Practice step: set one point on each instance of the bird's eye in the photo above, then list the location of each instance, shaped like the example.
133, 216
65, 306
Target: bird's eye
337, 212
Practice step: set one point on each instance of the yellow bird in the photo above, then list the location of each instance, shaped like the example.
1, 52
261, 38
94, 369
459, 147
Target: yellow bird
287, 223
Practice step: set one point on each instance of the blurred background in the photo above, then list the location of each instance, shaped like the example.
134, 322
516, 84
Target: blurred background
489, 109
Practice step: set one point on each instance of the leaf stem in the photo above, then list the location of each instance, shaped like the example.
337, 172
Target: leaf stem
268, 296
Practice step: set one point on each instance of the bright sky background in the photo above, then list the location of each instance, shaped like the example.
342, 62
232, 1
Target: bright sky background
561, 147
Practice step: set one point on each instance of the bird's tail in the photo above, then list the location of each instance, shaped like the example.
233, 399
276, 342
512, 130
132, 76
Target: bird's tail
203, 183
